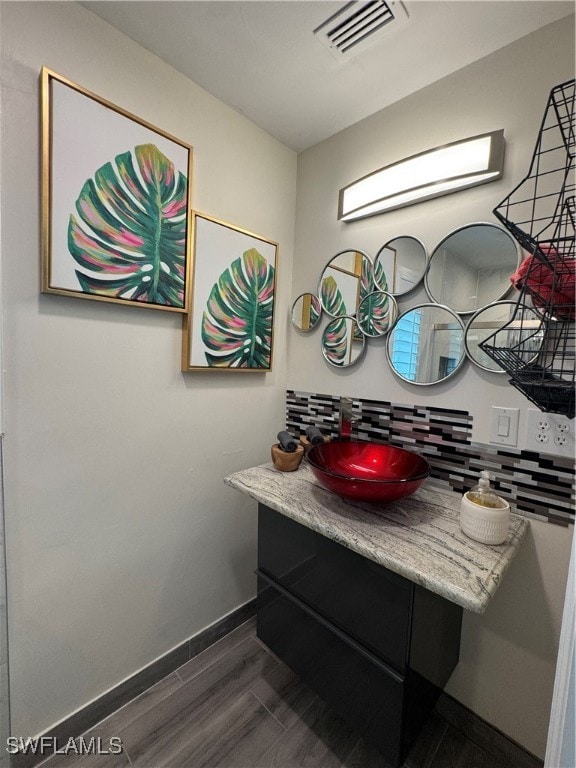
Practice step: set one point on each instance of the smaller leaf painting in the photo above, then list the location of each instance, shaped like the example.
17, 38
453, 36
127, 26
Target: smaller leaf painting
237, 323
231, 322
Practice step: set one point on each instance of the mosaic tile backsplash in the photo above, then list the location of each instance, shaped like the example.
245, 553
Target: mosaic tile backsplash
536, 484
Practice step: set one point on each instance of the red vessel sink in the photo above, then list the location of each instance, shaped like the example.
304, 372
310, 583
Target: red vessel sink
367, 471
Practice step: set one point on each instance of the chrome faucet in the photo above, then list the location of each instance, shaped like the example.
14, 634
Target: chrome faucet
346, 419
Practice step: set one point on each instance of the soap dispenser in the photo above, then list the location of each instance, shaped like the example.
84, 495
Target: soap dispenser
484, 516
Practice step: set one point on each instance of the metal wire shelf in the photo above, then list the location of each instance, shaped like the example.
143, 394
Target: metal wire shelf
540, 213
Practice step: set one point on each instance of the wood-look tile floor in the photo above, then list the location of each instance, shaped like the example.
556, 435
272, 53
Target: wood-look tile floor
237, 706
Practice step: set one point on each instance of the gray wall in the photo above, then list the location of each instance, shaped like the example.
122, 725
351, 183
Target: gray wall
508, 655
4, 678
508, 89
122, 539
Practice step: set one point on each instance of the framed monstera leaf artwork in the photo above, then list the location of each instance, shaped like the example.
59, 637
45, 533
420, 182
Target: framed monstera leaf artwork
116, 202
231, 320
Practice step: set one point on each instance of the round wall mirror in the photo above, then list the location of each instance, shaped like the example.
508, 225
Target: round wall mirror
346, 279
377, 313
511, 325
342, 342
400, 265
471, 267
426, 345
306, 312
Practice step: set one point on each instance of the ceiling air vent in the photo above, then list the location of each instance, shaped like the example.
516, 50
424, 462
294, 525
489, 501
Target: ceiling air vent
358, 25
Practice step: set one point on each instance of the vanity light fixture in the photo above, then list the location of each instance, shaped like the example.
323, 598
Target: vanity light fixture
436, 172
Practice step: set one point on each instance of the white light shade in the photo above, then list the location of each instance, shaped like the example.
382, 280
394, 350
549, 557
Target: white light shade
436, 172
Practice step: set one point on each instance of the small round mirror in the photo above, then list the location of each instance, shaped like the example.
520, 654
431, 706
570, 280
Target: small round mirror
377, 313
511, 326
426, 345
471, 267
400, 265
342, 342
347, 278
306, 312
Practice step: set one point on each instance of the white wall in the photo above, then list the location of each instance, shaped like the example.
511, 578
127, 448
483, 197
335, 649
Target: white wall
561, 746
4, 676
506, 672
508, 90
122, 539
4, 687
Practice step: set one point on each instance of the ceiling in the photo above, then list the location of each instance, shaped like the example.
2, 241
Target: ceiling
262, 58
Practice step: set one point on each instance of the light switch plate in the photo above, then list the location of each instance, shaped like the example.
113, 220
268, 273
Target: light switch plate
504, 428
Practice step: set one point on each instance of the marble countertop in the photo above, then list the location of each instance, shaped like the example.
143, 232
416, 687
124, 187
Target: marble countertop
418, 537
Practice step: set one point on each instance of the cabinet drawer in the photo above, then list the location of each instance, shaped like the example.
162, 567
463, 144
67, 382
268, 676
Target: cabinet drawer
358, 688
363, 599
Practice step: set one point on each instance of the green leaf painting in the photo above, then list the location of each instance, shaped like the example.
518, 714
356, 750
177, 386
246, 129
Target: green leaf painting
380, 277
129, 234
334, 340
331, 297
376, 313
237, 322
366, 279
313, 313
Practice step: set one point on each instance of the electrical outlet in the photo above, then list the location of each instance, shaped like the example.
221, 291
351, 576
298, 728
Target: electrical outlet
549, 433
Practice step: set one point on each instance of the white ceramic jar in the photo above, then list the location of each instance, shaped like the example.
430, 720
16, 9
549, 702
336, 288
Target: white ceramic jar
486, 524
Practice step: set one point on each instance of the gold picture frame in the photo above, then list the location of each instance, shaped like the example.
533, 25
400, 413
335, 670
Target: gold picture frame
230, 325
116, 202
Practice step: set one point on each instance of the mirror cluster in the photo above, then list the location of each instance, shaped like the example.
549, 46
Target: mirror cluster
466, 277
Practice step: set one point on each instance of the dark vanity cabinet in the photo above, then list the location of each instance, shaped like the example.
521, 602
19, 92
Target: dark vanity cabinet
375, 646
